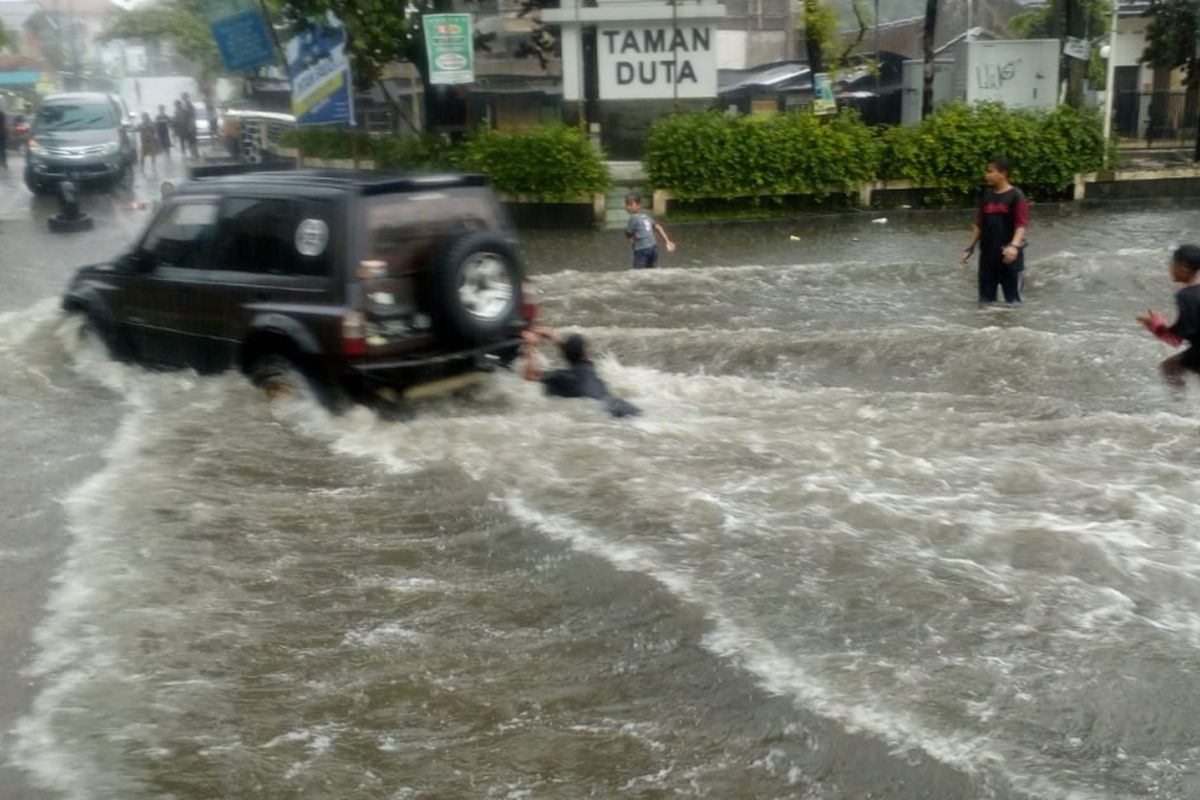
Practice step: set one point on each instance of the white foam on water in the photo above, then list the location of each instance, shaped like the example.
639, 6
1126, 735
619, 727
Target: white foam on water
72, 652
387, 635
785, 675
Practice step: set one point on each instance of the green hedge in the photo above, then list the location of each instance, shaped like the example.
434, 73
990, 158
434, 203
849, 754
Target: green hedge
949, 150
329, 142
555, 162
712, 154
708, 154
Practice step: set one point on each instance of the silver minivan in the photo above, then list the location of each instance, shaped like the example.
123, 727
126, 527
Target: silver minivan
81, 136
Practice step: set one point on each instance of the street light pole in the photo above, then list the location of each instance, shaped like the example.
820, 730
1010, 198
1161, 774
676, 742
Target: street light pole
878, 82
1110, 89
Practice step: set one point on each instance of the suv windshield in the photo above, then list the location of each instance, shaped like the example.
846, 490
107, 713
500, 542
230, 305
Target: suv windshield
74, 117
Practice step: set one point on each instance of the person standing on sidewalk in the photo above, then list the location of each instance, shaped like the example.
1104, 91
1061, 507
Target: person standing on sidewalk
162, 129
999, 232
3, 139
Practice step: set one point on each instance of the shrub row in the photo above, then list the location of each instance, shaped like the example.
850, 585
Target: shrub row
553, 162
948, 150
709, 154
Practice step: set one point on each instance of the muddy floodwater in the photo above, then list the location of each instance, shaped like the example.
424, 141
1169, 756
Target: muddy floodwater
867, 540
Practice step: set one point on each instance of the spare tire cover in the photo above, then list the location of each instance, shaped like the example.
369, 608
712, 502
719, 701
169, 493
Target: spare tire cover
475, 289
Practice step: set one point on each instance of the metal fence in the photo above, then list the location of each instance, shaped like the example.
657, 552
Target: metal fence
1155, 120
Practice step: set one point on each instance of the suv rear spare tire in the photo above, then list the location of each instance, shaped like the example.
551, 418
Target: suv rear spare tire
475, 288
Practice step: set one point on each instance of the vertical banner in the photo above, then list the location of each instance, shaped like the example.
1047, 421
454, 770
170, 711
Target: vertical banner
319, 66
450, 48
240, 32
823, 102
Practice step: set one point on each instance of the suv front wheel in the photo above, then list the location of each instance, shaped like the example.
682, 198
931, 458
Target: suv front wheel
476, 288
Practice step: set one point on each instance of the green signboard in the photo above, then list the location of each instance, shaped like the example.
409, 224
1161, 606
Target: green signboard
450, 48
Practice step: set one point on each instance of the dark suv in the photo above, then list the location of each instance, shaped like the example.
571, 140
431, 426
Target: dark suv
362, 285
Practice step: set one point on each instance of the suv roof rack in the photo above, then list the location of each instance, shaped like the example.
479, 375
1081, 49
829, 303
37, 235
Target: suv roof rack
367, 182
222, 169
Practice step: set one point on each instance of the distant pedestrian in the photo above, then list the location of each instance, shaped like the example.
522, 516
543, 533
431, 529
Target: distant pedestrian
214, 120
1185, 269
3, 139
999, 231
641, 232
189, 126
137, 90
148, 140
162, 130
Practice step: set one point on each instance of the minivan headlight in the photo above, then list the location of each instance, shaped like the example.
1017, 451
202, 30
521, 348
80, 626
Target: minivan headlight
112, 148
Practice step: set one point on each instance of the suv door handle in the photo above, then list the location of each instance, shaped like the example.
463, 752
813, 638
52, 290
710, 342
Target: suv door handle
262, 296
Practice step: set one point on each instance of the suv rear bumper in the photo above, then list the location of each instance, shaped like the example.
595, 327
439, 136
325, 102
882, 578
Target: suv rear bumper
407, 372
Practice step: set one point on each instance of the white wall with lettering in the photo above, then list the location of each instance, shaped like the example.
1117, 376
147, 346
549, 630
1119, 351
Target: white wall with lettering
657, 60
1019, 73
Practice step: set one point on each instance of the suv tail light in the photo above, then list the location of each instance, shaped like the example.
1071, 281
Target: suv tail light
354, 334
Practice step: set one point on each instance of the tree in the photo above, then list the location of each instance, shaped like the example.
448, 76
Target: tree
931, 15
6, 41
179, 22
821, 34
820, 30
382, 32
1080, 19
1171, 37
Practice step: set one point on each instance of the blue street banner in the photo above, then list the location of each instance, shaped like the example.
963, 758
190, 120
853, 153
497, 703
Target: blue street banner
319, 66
240, 32
823, 100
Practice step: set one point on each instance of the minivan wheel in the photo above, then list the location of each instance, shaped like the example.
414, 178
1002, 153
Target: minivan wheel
279, 377
475, 288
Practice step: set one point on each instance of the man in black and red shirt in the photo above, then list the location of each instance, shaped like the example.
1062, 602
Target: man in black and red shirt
999, 231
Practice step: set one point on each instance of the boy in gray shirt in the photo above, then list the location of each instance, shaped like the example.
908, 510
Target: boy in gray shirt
640, 233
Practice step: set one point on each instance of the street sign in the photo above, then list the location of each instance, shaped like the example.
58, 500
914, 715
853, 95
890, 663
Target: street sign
450, 48
823, 102
240, 32
317, 62
1076, 48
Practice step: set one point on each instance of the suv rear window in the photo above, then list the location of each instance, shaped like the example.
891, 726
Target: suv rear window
402, 228
275, 236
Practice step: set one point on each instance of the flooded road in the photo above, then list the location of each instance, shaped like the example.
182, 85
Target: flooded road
867, 541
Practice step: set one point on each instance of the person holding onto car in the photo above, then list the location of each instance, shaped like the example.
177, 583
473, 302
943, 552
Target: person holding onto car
578, 379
